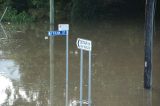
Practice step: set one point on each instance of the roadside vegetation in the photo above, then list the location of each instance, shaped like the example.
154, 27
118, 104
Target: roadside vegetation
24, 11
13, 16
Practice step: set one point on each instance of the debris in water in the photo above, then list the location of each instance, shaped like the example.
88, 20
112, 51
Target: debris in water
46, 37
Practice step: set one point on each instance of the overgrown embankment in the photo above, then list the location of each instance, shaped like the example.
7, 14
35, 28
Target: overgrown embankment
73, 10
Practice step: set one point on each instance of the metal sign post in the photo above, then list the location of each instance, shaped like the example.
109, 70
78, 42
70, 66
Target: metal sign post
65, 27
81, 77
86, 45
63, 30
149, 32
51, 53
89, 79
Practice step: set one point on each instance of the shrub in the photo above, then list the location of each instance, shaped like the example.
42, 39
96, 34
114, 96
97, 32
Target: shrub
13, 16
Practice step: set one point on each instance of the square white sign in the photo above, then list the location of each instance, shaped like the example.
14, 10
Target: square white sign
62, 27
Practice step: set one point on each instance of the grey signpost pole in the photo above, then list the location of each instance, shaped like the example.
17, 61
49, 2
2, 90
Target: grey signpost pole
81, 77
67, 73
149, 31
89, 79
65, 27
51, 47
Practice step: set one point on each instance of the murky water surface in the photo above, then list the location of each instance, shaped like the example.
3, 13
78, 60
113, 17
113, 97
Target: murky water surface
117, 63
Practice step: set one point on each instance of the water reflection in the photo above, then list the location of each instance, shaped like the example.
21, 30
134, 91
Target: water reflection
12, 89
10, 69
75, 102
24, 64
4, 32
28, 97
7, 91
13, 96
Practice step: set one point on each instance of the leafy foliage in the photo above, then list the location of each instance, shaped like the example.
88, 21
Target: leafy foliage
84, 9
40, 3
78, 10
13, 16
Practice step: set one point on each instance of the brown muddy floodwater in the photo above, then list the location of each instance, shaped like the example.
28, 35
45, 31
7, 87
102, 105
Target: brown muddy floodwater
117, 63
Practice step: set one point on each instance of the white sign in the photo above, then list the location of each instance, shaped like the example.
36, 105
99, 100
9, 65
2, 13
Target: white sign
62, 27
84, 44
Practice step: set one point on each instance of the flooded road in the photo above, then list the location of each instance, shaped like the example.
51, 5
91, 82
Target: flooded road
118, 65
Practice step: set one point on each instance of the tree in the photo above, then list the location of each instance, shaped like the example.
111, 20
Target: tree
83, 9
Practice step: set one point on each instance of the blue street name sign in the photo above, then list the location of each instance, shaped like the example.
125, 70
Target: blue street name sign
57, 33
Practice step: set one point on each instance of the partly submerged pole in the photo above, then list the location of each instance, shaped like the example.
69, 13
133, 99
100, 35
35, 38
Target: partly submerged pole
149, 31
51, 47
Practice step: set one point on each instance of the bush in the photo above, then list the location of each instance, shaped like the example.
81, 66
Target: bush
83, 10
13, 16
